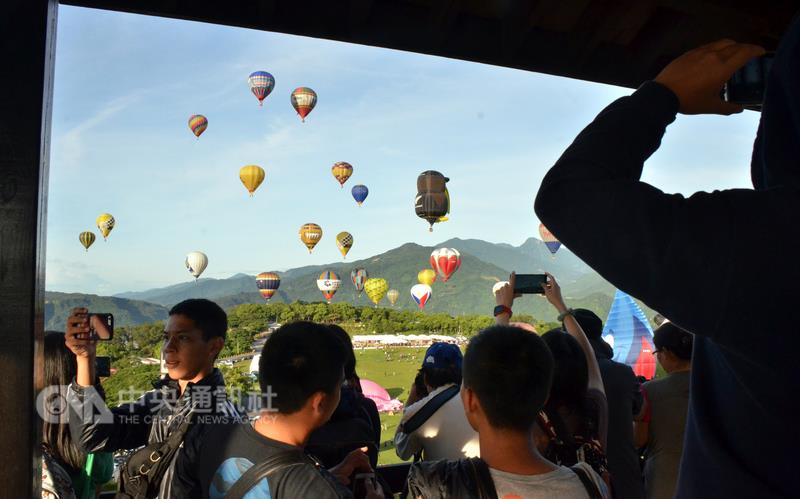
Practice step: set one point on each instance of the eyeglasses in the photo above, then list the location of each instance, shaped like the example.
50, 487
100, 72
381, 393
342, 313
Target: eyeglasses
656, 351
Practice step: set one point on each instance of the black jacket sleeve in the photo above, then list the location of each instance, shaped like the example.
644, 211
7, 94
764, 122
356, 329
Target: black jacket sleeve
693, 259
96, 428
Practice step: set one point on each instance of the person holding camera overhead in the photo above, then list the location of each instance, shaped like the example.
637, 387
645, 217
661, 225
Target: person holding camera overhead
182, 407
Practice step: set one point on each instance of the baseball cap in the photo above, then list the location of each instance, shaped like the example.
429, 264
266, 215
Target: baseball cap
442, 356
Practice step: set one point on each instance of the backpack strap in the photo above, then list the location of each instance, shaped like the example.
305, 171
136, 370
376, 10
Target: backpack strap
425, 412
588, 483
262, 470
483, 478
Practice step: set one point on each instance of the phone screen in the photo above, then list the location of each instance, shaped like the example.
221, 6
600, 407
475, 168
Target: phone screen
101, 326
528, 284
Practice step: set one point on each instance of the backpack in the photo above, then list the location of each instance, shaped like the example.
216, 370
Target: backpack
56, 483
263, 470
566, 449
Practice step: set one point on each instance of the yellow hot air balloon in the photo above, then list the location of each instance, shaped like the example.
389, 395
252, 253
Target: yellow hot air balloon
393, 295
252, 176
427, 276
344, 241
86, 239
376, 289
105, 222
310, 234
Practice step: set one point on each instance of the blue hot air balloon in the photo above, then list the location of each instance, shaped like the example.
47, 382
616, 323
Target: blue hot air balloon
360, 193
629, 333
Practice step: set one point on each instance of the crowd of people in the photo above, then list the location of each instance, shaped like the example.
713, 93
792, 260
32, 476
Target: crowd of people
518, 414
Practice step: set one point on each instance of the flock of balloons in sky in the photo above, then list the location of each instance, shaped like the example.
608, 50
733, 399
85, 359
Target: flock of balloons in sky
432, 204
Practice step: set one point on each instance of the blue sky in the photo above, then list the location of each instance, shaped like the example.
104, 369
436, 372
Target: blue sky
126, 85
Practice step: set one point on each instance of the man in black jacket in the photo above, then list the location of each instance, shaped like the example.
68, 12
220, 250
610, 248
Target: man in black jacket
194, 335
624, 400
720, 264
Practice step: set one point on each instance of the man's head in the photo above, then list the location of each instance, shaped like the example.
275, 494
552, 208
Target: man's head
194, 334
570, 369
301, 372
673, 347
507, 376
591, 324
442, 365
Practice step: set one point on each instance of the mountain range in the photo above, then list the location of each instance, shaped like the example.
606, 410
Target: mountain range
467, 292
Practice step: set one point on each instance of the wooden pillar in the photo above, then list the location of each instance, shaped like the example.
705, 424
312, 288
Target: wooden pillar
27, 50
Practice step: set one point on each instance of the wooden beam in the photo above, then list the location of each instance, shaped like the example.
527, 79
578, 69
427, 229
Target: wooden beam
27, 49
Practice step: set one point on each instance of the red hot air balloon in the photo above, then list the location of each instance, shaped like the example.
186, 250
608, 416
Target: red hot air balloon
445, 261
303, 100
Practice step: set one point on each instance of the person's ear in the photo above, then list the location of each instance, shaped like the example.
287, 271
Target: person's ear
319, 401
217, 344
472, 408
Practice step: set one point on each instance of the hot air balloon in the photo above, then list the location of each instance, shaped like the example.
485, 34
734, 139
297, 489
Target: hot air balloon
261, 84
359, 277
303, 100
341, 172
198, 124
549, 239
393, 295
328, 282
268, 283
445, 261
196, 262
310, 234
360, 193
344, 241
105, 222
86, 239
426, 276
421, 293
433, 200
376, 289
251, 176
628, 330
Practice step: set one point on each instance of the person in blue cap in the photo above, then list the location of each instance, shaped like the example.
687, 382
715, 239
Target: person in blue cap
434, 425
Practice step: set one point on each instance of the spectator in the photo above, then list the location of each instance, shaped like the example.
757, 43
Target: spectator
661, 424
181, 408
434, 426
624, 401
507, 374
67, 470
693, 259
354, 424
301, 372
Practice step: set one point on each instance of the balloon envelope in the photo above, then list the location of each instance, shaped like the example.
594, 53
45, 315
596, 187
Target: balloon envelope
105, 222
631, 335
310, 234
421, 293
433, 200
445, 261
87, 239
251, 176
426, 276
549, 239
344, 241
360, 193
268, 283
261, 84
341, 171
196, 263
198, 124
359, 277
328, 283
376, 289
393, 295
303, 101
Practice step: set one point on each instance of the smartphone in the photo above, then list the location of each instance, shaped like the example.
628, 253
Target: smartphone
102, 367
359, 484
101, 327
527, 284
746, 86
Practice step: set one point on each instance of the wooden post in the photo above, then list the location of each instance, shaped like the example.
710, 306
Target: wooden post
27, 49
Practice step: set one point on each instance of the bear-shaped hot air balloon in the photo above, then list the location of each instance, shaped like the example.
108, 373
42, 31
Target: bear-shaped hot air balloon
433, 199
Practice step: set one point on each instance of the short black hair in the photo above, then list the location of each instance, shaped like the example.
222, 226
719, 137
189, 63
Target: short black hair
299, 360
571, 371
510, 371
591, 324
207, 316
350, 356
675, 339
437, 376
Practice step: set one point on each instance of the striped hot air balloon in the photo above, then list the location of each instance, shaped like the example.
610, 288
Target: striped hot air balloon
549, 240
359, 277
198, 124
261, 84
341, 172
251, 176
310, 234
303, 100
268, 283
328, 282
87, 239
